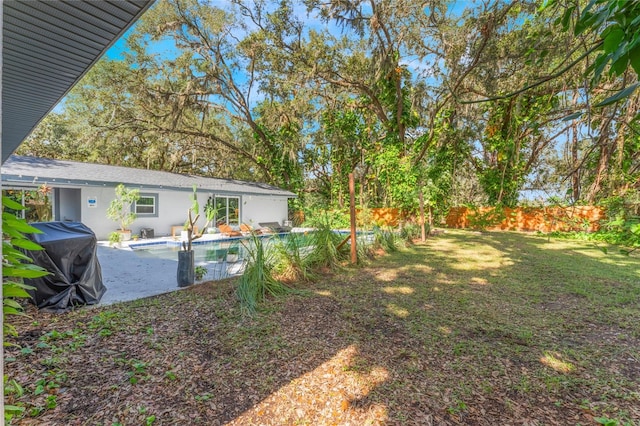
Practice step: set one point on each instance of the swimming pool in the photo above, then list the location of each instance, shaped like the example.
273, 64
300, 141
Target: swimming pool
221, 257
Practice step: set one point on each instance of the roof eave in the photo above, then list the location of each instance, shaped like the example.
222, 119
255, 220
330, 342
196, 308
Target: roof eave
15, 126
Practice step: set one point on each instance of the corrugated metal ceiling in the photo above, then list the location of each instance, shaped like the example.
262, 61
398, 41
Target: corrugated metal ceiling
47, 47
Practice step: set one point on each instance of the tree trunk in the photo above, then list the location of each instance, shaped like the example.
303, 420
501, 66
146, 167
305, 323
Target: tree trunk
423, 233
575, 177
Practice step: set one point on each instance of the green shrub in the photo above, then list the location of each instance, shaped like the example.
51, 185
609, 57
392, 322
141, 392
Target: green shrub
385, 238
200, 272
410, 231
324, 247
335, 219
622, 225
257, 280
115, 238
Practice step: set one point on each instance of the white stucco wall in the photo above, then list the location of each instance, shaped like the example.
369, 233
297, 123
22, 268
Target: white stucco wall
256, 209
172, 210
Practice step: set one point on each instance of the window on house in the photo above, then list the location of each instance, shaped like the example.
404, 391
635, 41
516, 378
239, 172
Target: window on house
147, 205
227, 210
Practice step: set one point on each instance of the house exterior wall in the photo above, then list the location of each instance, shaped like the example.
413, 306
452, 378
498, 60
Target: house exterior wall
172, 210
257, 208
92, 203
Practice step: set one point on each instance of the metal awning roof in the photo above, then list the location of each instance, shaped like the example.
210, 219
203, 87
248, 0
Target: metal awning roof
47, 47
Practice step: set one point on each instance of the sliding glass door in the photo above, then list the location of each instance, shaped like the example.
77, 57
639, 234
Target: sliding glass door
227, 210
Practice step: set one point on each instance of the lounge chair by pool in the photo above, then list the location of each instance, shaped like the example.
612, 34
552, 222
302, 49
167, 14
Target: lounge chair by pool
248, 229
275, 227
228, 231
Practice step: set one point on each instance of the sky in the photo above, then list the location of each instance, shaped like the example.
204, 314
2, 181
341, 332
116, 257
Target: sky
166, 48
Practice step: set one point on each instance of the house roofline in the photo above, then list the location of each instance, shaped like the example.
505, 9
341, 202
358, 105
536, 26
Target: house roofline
31, 170
34, 181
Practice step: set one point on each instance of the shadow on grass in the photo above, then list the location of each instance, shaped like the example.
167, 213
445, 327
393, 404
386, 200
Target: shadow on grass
480, 328
465, 329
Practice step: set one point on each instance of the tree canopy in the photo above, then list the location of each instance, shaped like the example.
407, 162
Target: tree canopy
463, 102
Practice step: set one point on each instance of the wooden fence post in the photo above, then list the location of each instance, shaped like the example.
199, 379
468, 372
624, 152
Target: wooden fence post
352, 211
423, 233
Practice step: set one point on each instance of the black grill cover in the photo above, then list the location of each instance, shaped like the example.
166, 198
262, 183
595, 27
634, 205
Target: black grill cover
71, 256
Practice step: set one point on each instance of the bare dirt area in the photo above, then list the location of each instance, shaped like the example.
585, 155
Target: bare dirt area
465, 329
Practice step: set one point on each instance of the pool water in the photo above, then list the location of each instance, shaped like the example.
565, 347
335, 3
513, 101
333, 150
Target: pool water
213, 251
221, 258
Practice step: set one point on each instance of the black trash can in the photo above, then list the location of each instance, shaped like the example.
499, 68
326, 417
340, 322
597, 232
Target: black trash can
71, 256
146, 233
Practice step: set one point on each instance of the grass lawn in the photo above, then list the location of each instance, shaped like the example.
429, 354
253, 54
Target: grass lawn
468, 328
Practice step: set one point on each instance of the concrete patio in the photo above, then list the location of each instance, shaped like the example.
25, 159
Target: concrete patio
129, 277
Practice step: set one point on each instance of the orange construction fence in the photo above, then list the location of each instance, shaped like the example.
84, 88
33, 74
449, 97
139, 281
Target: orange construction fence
543, 219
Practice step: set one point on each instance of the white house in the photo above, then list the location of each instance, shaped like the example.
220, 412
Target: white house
82, 192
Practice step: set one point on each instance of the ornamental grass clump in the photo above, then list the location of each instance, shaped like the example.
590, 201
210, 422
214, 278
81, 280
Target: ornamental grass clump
257, 280
385, 239
293, 258
409, 232
326, 251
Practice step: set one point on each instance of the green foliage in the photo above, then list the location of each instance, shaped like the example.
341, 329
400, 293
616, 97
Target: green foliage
200, 272
397, 174
257, 280
622, 225
341, 144
440, 163
487, 219
335, 219
120, 208
410, 231
505, 144
137, 369
13, 390
43, 393
385, 239
16, 266
606, 421
324, 247
617, 24
115, 238
293, 260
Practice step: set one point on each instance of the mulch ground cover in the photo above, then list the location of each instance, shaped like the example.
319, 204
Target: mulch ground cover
467, 328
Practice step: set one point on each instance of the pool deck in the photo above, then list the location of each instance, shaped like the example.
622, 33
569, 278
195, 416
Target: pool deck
130, 277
